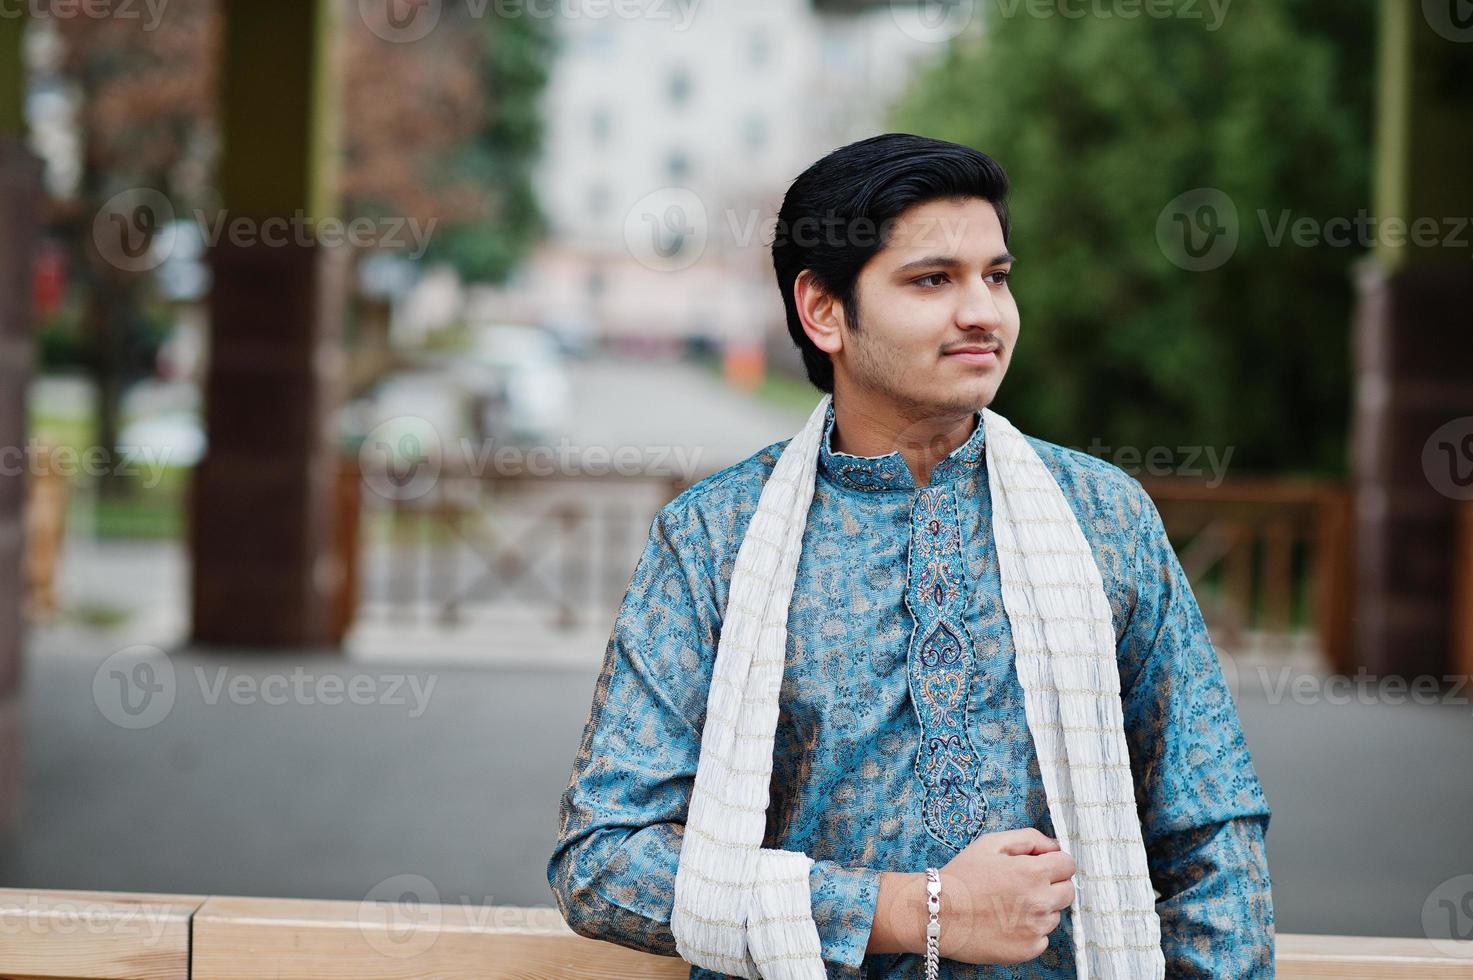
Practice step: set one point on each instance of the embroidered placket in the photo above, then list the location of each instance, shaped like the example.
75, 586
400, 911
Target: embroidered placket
940, 659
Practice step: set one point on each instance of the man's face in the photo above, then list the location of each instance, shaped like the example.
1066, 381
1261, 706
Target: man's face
939, 287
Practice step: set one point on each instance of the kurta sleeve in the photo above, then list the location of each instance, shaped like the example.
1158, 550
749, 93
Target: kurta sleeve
1203, 813
622, 817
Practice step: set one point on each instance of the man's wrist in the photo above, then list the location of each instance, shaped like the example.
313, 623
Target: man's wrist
900, 918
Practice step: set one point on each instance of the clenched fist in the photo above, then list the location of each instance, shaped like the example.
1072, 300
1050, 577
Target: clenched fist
1000, 898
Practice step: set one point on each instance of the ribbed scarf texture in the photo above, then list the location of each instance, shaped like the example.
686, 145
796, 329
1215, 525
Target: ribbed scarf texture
745, 910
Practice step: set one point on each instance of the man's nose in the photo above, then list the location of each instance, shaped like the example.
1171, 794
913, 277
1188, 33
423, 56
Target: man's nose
979, 310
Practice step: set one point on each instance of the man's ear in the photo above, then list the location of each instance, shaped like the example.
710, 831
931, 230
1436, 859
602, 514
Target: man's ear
822, 315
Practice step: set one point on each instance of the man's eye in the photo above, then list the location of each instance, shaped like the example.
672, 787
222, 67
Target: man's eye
934, 275
1002, 276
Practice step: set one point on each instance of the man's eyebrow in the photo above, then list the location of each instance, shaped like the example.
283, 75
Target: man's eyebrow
950, 262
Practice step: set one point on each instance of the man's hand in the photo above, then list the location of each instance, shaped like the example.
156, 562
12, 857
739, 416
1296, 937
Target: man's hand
1001, 897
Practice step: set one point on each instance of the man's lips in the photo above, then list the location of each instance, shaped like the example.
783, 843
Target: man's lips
974, 355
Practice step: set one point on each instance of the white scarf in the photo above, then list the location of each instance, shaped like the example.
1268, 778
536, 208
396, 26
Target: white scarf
745, 910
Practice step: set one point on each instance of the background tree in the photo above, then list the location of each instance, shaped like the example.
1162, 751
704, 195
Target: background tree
144, 120
448, 128
1101, 122
445, 128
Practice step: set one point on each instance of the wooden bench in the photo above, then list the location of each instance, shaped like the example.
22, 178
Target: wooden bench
120, 936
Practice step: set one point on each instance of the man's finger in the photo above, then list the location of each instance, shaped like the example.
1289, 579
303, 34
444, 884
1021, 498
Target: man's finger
1059, 865
1061, 896
1025, 841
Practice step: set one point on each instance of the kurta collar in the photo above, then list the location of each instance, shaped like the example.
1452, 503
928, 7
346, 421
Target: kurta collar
888, 471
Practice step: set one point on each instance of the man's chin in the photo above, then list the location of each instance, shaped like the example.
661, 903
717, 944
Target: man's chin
938, 404
969, 398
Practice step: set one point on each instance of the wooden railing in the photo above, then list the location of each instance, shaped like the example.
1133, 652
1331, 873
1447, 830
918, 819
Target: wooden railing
563, 545
118, 936
1274, 555
1270, 555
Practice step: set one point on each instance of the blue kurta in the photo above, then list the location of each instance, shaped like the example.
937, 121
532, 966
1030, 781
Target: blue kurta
902, 734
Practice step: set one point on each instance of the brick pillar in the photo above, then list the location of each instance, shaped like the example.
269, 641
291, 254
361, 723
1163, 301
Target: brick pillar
20, 190
1414, 351
266, 568
264, 503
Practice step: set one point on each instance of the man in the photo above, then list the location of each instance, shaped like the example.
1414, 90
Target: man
892, 258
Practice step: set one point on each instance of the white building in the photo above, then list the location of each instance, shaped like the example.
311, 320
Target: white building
671, 138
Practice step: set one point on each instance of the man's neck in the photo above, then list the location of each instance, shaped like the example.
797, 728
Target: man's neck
865, 429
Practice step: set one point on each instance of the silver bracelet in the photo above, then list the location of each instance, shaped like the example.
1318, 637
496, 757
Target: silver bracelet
933, 926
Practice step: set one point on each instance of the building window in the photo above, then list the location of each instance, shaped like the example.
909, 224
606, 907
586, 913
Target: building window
679, 86
759, 48
598, 199
599, 41
600, 125
838, 54
754, 133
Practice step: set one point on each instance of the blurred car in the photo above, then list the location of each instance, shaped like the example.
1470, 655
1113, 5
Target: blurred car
168, 439
421, 406
517, 378
573, 335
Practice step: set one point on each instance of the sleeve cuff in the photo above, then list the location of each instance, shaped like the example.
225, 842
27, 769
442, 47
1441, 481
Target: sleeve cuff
843, 901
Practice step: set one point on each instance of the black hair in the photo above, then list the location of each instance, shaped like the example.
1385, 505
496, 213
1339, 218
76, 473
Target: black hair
840, 211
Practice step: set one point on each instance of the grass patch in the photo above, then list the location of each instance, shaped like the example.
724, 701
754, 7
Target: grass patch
777, 389
74, 433
99, 615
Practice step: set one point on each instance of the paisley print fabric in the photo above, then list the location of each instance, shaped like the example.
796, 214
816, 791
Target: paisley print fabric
902, 734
